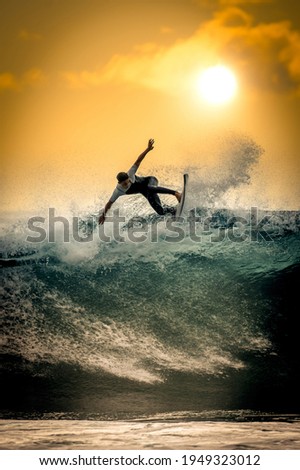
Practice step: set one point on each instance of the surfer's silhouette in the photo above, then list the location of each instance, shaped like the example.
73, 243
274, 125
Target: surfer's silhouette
130, 183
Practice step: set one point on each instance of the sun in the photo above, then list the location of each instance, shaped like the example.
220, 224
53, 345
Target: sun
217, 85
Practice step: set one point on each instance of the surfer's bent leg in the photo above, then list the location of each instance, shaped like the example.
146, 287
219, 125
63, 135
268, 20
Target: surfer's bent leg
154, 188
151, 195
154, 202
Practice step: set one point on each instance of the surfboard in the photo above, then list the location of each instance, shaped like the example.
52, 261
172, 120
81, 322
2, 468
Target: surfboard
180, 205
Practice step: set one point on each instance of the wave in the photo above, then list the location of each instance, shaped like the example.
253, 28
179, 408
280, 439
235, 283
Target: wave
142, 310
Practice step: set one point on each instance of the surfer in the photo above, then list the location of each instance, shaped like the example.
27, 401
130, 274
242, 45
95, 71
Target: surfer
130, 183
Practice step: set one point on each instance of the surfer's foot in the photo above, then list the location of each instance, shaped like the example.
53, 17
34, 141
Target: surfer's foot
178, 196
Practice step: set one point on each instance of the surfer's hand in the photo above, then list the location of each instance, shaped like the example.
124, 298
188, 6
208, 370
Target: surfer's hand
101, 219
151, 144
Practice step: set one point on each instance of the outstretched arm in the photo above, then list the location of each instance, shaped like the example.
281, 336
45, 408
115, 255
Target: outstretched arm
106, 208
142, 156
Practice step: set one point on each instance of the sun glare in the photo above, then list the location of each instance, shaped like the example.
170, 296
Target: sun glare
217, 85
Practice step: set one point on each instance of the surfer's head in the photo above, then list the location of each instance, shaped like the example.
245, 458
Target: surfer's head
122, 176
123, 179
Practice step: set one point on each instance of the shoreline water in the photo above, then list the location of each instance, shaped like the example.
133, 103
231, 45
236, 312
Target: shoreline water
147, 435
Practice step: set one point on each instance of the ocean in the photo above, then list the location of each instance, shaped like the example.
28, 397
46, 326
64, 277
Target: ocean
150, 320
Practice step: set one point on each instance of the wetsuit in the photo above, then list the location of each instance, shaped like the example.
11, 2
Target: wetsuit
148, 187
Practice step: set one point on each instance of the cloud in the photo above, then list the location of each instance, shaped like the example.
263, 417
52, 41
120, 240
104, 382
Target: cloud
149, 65
31, 78
244, 2
34, 77
25, 35
290, 55
166, 30
83, 79
8, 81
265, 55
225, 3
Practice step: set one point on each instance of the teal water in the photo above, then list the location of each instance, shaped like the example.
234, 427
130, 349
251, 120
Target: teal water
118, 329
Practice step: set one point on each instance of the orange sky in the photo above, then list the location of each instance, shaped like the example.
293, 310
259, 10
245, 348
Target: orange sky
85, 83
